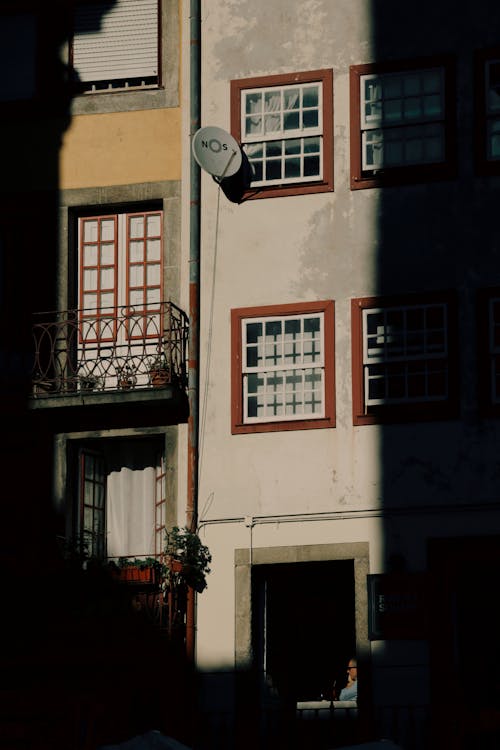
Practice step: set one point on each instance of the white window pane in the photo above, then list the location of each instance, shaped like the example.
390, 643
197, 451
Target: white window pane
107, 299
153, 250
431, 81
433, 106
107, 255
414, 152
153, 275
291, 98
90, 301
253, 103
153, 225
90, 231
310, 96
412, 108
153, 296
107, 230
90, 255
411, 84
136, 275
136, 297
136, 226
107, 278
136, 249
392, 86
393, 110
90, 279
272, 123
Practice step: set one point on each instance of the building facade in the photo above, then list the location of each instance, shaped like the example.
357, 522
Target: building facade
94, 362
348, 429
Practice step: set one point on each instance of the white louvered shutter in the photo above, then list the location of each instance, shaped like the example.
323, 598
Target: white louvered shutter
121, 43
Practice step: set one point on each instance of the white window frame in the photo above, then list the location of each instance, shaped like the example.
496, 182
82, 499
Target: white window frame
281, 135
407, 353
419, 129
285, 367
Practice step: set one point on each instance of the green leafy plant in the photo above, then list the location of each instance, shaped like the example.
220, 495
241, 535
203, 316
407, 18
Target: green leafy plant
187, 559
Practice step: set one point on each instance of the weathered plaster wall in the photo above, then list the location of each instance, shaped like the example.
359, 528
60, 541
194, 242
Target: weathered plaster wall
121, 148
392, 487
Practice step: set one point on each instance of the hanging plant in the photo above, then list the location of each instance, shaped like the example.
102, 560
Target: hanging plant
187, 559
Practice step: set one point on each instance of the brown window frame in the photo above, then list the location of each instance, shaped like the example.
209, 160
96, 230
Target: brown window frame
323, 76
413, 411
327, 308
404, 174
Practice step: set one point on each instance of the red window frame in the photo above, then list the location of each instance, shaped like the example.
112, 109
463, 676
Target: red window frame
325, 77
146, 311
98, 313
411, 411
403, 174
238, 426
143, 312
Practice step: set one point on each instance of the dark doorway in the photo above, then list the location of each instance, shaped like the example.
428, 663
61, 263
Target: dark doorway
304, 627
465, 655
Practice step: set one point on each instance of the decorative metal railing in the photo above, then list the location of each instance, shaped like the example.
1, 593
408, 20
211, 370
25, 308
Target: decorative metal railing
109, 349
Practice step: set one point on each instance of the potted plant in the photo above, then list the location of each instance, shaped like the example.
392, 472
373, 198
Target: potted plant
159, 370
89, 381
187, 559
137, 570
126, 377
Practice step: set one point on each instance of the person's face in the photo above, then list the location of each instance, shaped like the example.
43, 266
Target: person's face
352, 671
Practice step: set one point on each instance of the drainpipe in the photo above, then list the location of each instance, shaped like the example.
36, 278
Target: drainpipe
194, 304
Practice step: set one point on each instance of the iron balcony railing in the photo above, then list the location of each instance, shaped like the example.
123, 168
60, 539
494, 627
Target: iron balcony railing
109, 349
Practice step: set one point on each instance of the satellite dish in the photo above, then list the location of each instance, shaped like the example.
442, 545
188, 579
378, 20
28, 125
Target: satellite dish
217, 152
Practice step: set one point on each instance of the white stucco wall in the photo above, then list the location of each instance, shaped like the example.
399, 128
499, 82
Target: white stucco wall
344, 482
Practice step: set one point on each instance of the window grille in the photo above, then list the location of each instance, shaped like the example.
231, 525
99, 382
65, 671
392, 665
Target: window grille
405, 354
283, 368
402, 118
282, 134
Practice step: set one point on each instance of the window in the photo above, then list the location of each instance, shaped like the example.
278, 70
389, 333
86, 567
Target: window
402, 123
116, 47
120, 286
285, 126
403, 353
488, 112
120, 261
283, 367
489, 351
122, 499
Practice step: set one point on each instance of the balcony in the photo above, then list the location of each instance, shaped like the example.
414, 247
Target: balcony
109, 356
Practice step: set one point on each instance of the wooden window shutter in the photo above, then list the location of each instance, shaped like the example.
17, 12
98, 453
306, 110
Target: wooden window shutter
120, 43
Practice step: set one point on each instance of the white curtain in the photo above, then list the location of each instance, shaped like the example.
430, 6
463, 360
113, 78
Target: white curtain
131, 512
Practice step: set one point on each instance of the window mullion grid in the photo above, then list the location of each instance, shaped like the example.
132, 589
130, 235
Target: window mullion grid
268, 371
383, 366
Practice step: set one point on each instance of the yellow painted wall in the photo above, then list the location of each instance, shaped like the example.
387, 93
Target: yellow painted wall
121, 148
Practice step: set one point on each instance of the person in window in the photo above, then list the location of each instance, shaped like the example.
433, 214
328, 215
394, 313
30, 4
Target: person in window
350, 691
